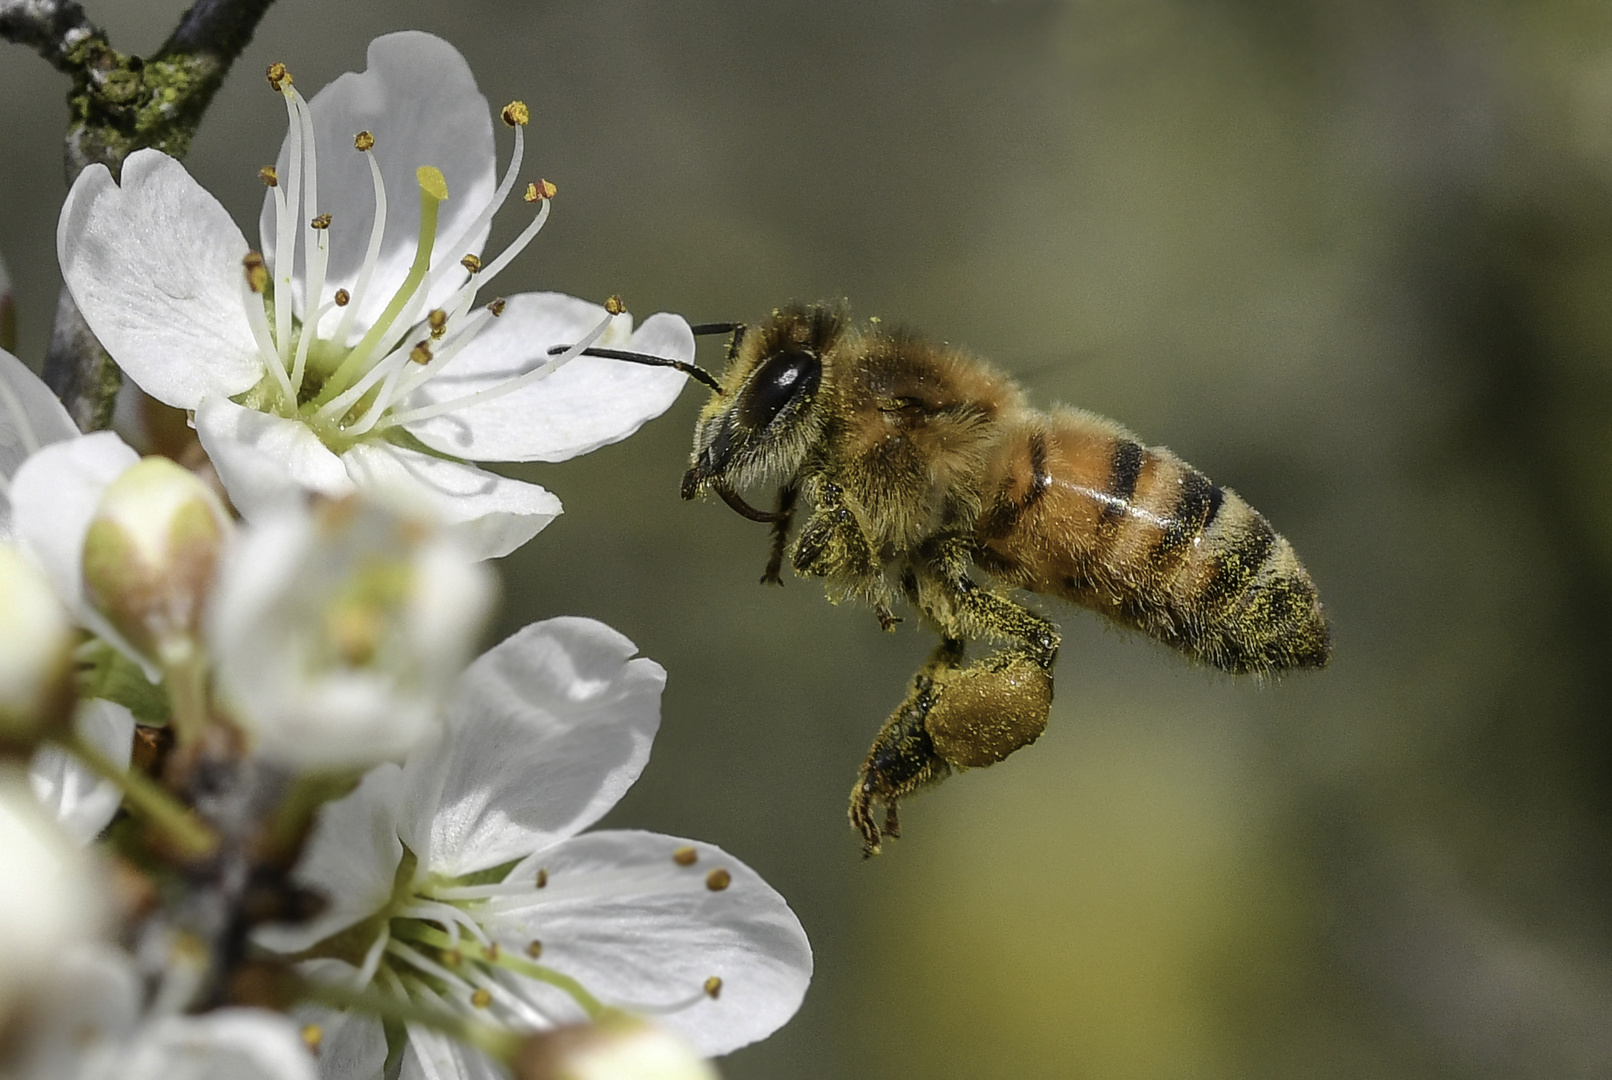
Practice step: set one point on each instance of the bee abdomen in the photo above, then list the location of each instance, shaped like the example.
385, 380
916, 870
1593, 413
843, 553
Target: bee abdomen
1084, 511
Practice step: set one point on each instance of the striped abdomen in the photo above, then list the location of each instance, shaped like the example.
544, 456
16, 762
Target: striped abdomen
1076, 507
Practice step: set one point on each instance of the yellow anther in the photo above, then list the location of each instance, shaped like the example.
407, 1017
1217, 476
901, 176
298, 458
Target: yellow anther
542, 878
490, 952
312, 1036
432, 182
497, 308
713, 988
343, 298
257, 274
320, 222
539, 191
269, 177
354, 631
481, 998
717, 880
516, 114
363, 141
438, 321
279, 77
421, 353
453, 957
471, 263
615, 305
535, 949
685, 856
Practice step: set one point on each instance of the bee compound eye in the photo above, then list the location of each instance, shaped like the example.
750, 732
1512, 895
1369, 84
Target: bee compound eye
782, 378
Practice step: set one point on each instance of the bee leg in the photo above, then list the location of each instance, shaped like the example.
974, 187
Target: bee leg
903, 757
832, 543
984, 712
944, 592
780, 534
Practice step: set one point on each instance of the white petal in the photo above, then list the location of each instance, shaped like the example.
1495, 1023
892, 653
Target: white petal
546, 732
419, 99
155, 268
264, 460
242, 1044
588, 403
92, 997
53, 498
491, 515
351, 1046
81, 801
25, 400
351, 858
634, 926
49, 892
449, 1060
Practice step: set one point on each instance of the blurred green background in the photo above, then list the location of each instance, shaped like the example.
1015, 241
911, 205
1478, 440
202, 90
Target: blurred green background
1350, 257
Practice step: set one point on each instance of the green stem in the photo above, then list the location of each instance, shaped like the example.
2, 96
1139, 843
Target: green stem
495, 1042
151, 801
186, 680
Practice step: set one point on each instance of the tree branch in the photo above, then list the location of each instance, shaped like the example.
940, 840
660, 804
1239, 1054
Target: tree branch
52, 28
121, 103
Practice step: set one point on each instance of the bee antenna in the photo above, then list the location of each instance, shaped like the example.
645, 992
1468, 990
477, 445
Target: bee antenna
650, 361
707, 329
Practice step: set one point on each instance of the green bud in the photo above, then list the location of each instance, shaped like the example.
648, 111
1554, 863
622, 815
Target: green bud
36, 654
150, 556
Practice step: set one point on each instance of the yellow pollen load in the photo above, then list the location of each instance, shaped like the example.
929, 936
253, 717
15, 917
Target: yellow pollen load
312, 1036
516, 114
269, 176
363, 141
279, 77
535, 949
320, 222
717, 880
343, 298
471, 263
542, 878
432, 182
615, 305
685, 856
481, 998
421, 353
257, 274
713, 988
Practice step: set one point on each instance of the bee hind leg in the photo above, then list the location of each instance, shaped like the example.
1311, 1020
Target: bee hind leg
903, 757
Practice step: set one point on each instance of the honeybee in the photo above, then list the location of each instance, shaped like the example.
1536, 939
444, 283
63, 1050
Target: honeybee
922, 464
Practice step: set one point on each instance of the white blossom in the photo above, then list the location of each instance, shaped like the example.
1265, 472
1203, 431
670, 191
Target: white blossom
460, 880
337, 631
353, 353
49, 895
88, 1021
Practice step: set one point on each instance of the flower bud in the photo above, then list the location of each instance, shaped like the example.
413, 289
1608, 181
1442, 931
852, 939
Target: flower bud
616, 1047
338, 633
36, 653
150, 555
48, 895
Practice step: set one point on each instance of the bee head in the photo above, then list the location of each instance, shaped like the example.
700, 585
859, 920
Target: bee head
762, 423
